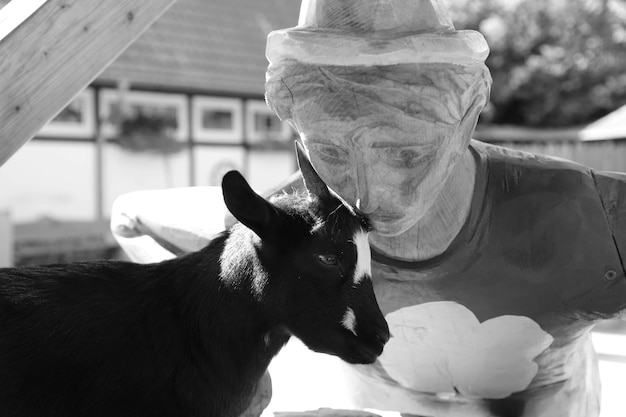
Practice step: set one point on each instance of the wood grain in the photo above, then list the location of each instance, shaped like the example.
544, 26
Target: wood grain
55, 52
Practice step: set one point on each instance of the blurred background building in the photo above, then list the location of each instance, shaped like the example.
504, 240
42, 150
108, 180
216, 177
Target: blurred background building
180, 107
184, 104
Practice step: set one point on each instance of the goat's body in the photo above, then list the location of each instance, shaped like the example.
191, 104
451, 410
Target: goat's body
121, 339
192, 336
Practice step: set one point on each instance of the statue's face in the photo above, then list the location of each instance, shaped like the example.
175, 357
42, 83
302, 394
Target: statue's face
384, 138
391, 172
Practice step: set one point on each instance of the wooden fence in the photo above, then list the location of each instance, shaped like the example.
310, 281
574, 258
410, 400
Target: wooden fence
606, 155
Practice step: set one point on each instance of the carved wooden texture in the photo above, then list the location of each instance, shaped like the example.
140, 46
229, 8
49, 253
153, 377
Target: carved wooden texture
55, 52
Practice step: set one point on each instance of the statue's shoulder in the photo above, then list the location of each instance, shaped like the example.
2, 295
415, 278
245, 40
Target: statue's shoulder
611, 186
511, 159
523, 177
517, 174
612, 191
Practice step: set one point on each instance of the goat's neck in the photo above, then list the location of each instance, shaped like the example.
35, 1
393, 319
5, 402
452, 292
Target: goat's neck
224, 295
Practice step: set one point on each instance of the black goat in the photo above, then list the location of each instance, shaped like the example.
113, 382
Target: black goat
191, 336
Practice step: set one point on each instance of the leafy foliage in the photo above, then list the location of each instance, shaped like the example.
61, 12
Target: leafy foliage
553, 62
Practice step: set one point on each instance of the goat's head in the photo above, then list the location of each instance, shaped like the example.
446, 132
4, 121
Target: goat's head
314, 256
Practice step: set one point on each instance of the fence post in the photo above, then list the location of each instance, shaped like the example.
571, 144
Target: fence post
6, 239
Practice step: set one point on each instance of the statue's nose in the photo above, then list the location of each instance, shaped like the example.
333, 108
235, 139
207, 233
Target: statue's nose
364, 201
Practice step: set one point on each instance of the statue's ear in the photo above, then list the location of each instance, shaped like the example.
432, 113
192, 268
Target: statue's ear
470, 119
312, 181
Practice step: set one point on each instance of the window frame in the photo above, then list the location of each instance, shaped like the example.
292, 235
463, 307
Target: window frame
254, 107
108, 96
83, 129
234, 135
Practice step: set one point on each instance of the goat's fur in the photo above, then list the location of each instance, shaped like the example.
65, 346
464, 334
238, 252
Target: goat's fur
189, 336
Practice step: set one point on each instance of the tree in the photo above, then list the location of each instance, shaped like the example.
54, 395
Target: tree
554, 63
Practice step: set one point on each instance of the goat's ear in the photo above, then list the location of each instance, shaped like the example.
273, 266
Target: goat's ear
247, 206
312, 181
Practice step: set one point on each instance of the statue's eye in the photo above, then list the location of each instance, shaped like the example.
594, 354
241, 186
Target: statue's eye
405, 158
327, 260
332, 154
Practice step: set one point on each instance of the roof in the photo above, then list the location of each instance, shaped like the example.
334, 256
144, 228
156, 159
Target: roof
215, 46
612, 126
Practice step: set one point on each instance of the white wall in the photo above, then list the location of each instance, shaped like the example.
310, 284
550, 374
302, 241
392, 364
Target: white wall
58, 179
262, 169
125, 171
212, 162
6, 239
266, 169
50, 179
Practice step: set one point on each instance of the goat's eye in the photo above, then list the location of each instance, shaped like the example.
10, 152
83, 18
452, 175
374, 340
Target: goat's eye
328, 260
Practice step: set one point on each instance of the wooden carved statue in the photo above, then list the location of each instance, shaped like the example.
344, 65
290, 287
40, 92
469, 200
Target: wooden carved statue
491, 266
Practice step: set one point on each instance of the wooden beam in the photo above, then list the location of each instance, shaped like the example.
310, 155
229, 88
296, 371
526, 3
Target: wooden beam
57, 50
14, 13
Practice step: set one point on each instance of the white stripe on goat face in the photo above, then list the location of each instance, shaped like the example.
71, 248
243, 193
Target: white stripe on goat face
363, 269
349, 320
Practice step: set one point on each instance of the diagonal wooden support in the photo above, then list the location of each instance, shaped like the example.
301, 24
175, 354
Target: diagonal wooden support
55, 51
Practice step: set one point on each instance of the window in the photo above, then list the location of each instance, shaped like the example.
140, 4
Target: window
76, 120
217, 119
263, 125
168, 109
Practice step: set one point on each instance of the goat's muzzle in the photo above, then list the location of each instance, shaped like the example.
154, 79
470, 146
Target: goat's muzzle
371, 343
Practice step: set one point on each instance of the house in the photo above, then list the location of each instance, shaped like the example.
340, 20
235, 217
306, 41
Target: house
610, 127
181, 106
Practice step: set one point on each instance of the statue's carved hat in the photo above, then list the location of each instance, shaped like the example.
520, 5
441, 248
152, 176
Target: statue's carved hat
344, 51
376, 32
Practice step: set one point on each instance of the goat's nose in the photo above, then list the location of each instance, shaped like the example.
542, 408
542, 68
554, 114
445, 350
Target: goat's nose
383, 338
381, 334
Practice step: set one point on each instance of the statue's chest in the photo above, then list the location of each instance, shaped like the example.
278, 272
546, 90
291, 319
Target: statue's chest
475, 334
482, 319
489, 291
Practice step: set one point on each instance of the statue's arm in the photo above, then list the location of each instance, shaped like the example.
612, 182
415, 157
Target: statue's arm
154, 225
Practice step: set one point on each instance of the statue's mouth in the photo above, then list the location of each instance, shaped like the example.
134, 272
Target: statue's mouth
387, 225
385, 218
